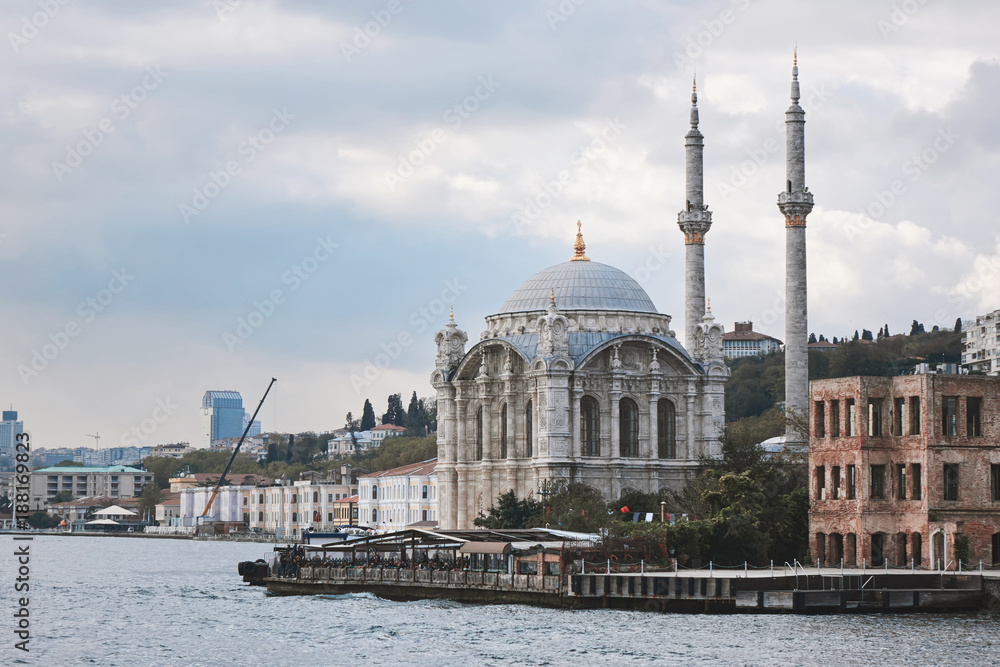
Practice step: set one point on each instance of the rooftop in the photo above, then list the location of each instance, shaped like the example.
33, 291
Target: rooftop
422, 468
83, 470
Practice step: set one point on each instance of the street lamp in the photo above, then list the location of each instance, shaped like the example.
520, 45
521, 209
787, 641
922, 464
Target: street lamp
663, 511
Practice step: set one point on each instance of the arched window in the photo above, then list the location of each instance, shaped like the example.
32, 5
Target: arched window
666, 429
260, 499
503, 431
295, 517
315, 496
260, 516
425, 491
590, 427
479, 434
628, 427
528, 430
374, 492
295, 498
374, 516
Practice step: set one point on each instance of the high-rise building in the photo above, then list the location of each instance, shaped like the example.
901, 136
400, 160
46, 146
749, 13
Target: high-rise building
10, 427
222, 416
981, 344
254, 427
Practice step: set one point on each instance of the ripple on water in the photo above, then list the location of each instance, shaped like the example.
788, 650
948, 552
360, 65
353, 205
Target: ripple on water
183, 603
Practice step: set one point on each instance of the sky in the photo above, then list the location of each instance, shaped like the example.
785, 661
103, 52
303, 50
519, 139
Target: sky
204, 195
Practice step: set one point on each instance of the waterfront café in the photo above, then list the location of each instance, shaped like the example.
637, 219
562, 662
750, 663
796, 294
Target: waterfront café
523, 551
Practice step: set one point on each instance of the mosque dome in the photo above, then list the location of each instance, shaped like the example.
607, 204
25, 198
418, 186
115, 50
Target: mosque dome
580, 284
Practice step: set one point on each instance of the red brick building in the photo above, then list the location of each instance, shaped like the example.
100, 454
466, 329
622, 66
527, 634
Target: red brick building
902, 467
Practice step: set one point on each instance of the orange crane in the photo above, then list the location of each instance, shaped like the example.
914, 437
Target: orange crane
236, 451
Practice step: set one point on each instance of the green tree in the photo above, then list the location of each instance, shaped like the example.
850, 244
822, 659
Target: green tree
394, 413
66, 464
43, 520
367, 417
509, 512
61, 497
958, 324
151, 496
413, 421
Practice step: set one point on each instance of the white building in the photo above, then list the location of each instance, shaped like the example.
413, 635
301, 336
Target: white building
289, 508
344, 445
80, 481
229, 505
380, 433
743, 341
981, 344
577, 377
396, 498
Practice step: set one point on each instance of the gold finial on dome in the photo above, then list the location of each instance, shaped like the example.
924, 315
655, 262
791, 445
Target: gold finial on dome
552, 295
579, 246
709, 305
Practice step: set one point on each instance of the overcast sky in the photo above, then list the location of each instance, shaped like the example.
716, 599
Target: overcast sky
170, 169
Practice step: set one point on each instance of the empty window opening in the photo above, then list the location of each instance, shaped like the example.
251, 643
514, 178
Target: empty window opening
949, 415
877, 487
951, 481
973, 421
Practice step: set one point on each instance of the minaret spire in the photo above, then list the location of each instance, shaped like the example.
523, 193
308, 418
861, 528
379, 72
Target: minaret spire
795, 204
695, 221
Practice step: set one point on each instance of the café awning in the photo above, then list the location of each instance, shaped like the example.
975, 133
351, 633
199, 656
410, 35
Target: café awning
485, 548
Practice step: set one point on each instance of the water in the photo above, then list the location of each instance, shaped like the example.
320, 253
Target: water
120, 601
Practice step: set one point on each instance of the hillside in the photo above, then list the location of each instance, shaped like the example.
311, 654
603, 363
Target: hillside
758, 383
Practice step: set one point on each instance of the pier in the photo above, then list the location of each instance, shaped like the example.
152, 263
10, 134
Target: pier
684, 591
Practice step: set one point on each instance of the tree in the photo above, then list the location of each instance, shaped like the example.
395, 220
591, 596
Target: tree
958, 324
916, 328
835, 340
68, 463
812, 338
509, 512
272, 452
394, 413
886, 327
61, 497
151, 496
413, 413
43, 520
867, 335
352, 426
856, 336
367, 417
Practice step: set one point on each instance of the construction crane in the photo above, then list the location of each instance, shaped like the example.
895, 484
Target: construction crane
222, 479
97, 439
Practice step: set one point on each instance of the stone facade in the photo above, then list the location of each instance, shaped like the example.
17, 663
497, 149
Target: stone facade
901, 467
795, 204
594, 388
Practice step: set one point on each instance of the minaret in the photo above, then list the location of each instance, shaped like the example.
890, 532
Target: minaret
795, 203
695, 221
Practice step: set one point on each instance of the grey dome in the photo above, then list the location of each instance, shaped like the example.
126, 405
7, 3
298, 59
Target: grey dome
580, 286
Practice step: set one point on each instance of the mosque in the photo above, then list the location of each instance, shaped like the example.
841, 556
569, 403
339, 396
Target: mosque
580, 378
